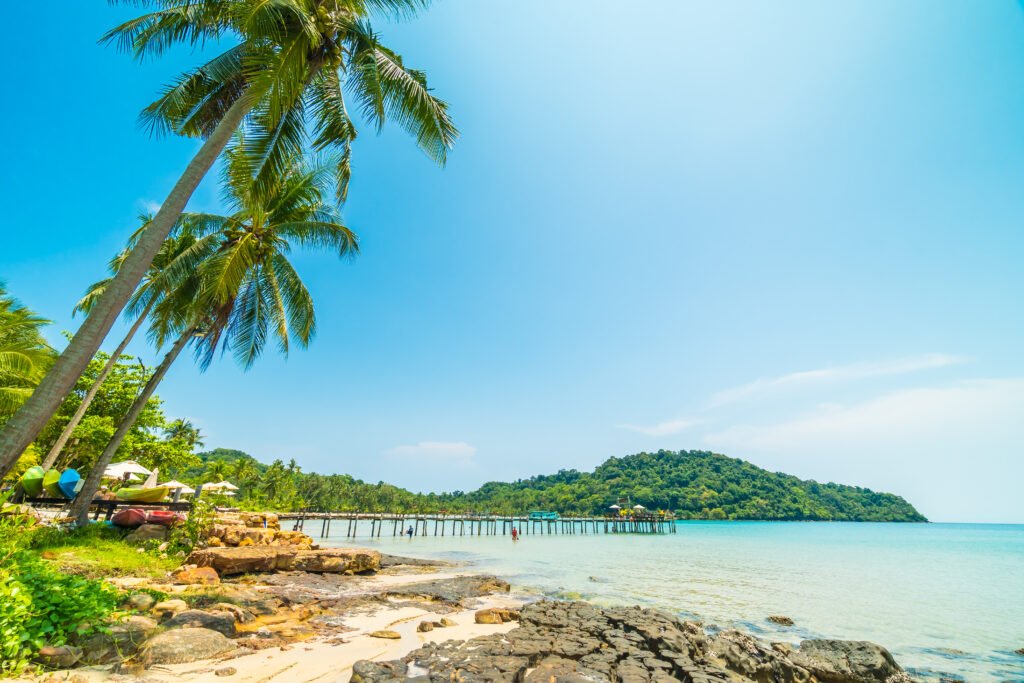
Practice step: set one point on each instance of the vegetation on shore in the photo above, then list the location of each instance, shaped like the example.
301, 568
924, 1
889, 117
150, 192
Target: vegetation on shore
692, 484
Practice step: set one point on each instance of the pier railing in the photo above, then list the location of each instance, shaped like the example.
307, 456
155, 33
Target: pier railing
377, 524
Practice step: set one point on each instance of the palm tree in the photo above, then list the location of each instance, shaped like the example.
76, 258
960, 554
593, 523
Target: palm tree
216, 471
183, 430
151, 291
236, 285
24, 354
284, 81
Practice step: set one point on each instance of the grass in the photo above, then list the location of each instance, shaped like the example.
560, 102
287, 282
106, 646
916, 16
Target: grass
99, 552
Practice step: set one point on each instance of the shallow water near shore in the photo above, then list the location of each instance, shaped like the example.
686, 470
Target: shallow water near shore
946, 599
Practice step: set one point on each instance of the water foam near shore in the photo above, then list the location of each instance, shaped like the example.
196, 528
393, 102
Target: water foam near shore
945, 598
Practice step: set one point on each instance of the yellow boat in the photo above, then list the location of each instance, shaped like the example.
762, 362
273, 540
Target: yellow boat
141, 495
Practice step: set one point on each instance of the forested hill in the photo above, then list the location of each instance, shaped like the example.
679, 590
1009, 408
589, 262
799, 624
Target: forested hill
693, 484
697, 485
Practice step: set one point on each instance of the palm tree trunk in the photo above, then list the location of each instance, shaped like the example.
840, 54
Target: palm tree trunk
80, 509
44, 402
58, 446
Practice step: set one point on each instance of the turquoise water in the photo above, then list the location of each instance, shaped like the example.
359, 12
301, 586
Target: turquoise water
946, 599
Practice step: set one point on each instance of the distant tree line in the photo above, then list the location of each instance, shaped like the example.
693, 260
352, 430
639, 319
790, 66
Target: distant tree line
692, 484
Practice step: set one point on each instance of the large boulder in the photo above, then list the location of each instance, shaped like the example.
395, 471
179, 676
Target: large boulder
337, 561
184, 645
196, 576
847, 661
243, 560
222, 622
121, 641
253, 558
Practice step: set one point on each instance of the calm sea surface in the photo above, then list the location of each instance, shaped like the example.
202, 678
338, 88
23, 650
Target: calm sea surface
946, 599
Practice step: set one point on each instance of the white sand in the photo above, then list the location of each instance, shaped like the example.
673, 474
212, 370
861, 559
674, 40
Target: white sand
323, 662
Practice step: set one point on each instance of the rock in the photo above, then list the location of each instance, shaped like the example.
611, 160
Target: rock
425, 626
141, 601
746, 656
781, 620
222, 622
170, 606
446, 622
245, 542
197, 576
337, 561
226, 671
496, 616
1019, 652
241, 614
847, 661
457, 592
184, 645
390, 635
251, 558
147, 532
121, 641
62, 657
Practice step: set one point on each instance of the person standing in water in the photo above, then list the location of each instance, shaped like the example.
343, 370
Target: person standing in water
515, 534
409, 532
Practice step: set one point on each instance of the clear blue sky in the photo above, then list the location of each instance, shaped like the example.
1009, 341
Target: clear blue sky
788, 232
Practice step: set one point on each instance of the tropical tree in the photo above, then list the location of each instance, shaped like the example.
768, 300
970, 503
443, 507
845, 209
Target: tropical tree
151, 291
285, 81
237, 287
24, 354
183, 430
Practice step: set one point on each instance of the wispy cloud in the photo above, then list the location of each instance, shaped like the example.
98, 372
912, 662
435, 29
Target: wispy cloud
447, 450
149, 206
662, 428
839, 373
969, 408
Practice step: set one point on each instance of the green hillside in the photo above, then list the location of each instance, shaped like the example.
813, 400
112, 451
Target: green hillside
693, 484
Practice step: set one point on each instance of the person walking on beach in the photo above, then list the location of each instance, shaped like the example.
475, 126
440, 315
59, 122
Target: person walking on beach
409, 532
515, 534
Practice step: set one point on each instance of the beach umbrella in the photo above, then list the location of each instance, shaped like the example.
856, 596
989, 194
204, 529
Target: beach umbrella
175, 485
227, 486
614, 507
119, 470
639, 507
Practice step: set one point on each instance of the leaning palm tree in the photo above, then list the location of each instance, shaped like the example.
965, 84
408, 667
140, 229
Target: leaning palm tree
24, 354
285, 81
237, 287
151, 291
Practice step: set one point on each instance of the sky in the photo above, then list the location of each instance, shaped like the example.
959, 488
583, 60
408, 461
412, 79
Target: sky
788, 232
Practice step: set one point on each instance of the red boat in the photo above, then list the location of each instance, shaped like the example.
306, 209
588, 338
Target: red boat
129, 518
163, 517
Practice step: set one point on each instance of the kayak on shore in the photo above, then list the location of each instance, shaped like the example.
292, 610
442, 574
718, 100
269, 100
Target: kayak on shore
141, 495
32, 481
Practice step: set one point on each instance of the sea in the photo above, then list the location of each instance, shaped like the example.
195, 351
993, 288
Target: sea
946, 599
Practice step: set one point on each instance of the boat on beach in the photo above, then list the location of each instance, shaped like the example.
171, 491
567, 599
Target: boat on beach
32, 481
129, 518
143, 495
70, 483
50, 480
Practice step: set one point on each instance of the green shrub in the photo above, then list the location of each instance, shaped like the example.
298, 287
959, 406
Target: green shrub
40, 605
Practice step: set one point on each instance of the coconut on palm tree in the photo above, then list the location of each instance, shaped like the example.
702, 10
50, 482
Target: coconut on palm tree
284, 81
236, 287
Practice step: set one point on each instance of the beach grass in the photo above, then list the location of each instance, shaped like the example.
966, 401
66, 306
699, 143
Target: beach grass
99, 552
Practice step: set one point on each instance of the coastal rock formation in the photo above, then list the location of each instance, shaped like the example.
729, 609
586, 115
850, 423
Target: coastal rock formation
847, 661
61, 657
459, 591
120, 641
247, 559
147, 532
222, 622
184, 645
781, 620
576, 641
494, 615
196, 576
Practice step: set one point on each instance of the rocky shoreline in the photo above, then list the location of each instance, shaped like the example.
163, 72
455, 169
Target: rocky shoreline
261, 605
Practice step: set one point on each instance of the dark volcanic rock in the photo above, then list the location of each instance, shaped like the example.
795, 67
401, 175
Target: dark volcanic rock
387, 561
573, 642
457, 592
847, 661
222, 622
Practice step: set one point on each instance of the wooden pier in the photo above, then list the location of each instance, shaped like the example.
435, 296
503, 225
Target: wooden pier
375, 525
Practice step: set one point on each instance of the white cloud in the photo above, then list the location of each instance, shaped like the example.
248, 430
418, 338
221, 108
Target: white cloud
953, 450
841, 373
149, 206
447, 450
663, 428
